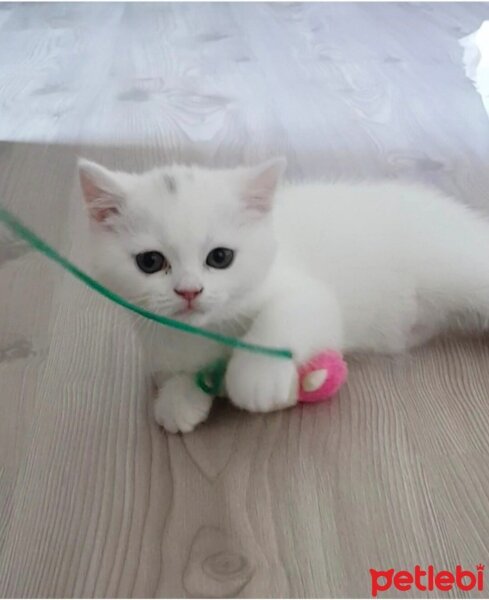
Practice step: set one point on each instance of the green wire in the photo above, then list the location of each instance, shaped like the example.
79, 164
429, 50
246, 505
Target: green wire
21, 231
210, 379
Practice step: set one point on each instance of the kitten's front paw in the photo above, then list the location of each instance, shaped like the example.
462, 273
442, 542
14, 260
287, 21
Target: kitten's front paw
181, 405
259, 383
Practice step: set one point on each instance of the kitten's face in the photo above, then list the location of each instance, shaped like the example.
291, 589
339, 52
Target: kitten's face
188, 243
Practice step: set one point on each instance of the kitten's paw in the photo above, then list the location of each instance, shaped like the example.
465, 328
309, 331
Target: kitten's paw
259, 383
180, 405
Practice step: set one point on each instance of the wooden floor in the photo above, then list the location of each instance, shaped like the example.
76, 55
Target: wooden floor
95, 500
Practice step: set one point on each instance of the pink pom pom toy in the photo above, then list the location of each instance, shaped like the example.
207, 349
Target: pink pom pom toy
321, 377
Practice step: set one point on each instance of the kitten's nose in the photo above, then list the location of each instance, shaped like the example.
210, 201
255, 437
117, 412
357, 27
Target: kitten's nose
189, 295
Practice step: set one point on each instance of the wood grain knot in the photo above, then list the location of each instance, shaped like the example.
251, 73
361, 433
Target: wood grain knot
216, 566
12, 249
16, 350
224, 564
134, 95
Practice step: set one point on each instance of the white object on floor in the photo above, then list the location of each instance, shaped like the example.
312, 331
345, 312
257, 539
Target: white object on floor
476, 60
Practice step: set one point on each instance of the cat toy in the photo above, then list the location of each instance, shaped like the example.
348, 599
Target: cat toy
317, 380
321, 377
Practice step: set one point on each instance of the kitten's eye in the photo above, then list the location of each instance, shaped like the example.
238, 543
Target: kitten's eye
151, 262
220, 258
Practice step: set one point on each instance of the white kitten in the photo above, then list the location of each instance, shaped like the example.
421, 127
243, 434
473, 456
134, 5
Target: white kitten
377, 267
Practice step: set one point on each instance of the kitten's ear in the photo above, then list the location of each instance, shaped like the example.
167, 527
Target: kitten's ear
261, 184
101, 191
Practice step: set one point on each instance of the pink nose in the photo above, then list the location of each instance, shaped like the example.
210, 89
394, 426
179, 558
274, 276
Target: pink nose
189, 295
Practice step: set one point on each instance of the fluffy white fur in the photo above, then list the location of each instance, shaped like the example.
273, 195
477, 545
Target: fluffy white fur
373, 266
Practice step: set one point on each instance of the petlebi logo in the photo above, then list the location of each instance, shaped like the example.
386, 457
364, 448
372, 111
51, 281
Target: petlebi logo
427, 579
